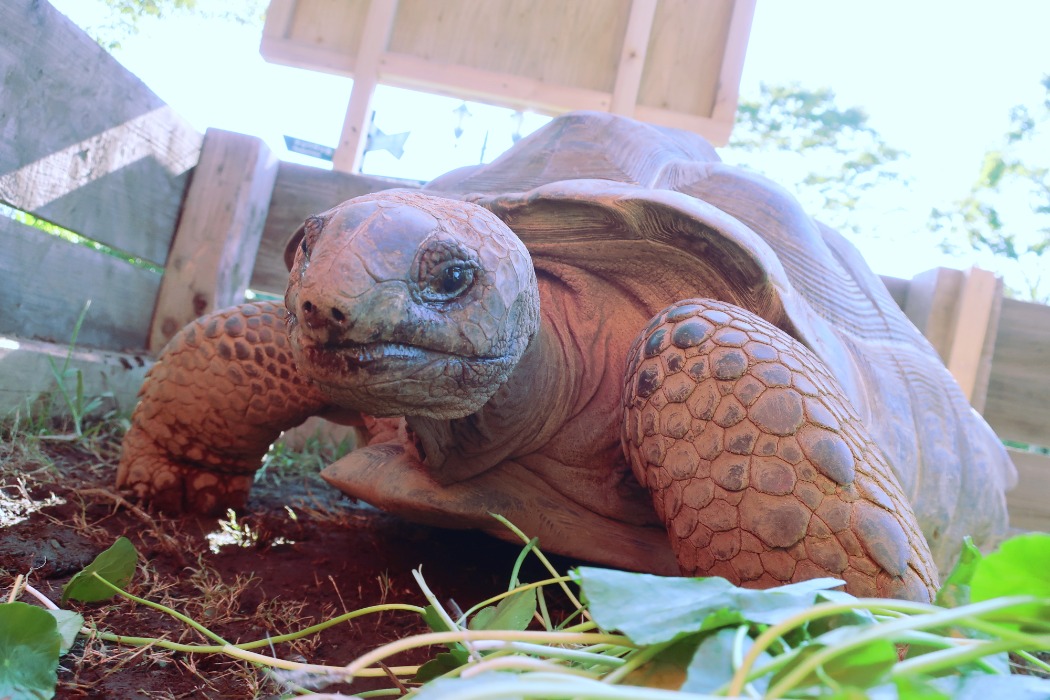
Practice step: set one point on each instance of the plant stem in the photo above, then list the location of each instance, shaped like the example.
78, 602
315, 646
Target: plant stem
539, 555
466, 636
163, 608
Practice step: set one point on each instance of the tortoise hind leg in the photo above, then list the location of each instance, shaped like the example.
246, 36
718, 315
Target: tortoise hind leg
760, 469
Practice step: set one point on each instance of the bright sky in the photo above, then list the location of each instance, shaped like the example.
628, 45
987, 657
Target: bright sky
937, 78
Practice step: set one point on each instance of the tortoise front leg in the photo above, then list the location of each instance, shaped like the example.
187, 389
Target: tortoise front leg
758, 466
221, 392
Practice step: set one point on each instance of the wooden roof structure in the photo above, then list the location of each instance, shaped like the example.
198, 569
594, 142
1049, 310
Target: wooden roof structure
669, 62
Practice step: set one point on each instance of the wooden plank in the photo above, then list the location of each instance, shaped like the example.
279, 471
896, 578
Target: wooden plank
686, 50
27, 379
1017, 406
378, 24
279, 17
728, 96
301, 191
576, 44
513, 91
958, 312
218, 235
44, 282
632, 57
976, 323
1028, 503
89, 147
931, 306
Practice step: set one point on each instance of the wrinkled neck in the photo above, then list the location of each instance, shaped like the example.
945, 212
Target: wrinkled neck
522, 415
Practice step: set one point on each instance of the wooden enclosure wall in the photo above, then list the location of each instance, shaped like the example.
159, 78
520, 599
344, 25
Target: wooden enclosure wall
85, 145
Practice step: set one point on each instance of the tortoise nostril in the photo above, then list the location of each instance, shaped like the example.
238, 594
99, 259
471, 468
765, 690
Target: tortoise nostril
308, 307
338, 316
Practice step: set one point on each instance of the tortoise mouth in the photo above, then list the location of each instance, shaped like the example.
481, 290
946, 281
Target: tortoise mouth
347, 358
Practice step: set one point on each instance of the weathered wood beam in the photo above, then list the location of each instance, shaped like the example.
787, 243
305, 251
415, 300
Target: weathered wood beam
218, 235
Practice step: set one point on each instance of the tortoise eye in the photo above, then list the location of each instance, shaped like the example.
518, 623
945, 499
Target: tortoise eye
449, 281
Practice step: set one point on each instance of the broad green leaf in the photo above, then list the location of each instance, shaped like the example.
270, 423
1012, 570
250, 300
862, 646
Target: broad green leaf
69, 624
512, 613
956, 588
712, 665
435, 622
861, 667
29, 651
650, 609
440, 665
116, 565
1018, 567
917, 689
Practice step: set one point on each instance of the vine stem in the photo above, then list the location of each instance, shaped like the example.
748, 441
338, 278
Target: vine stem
466, 636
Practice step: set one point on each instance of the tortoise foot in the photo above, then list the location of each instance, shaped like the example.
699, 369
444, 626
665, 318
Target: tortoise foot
153, 477
759, 467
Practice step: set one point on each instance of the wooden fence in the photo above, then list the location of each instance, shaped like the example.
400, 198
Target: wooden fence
86, 146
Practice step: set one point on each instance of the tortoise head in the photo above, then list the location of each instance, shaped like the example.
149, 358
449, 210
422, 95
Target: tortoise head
402, 303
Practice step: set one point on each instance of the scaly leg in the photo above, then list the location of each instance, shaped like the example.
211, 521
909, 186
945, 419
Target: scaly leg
758, 465
222, 391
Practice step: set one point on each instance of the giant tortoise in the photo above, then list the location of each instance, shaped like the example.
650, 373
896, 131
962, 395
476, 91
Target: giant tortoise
645, 357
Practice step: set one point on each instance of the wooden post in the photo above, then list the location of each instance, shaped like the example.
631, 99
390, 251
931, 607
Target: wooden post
632, 57
374, 39
728, 95
218, 234
958, 312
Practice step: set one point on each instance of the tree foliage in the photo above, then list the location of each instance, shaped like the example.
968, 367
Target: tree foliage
124, 16
831, 153
1007, 210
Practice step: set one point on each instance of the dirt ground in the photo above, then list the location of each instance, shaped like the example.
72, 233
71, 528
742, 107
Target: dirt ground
314, 555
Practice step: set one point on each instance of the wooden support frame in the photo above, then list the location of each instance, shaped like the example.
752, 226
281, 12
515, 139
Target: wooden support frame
632, 57
676, 64
218, 235
376, 35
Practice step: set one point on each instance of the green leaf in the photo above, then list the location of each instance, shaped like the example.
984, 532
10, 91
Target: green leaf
116, 565
918, 689
1018, 567
712, 665
29, 650
861, 667
440, 665
650, 609
512, 613
667, 669
69, 624
956, 589
434, 621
